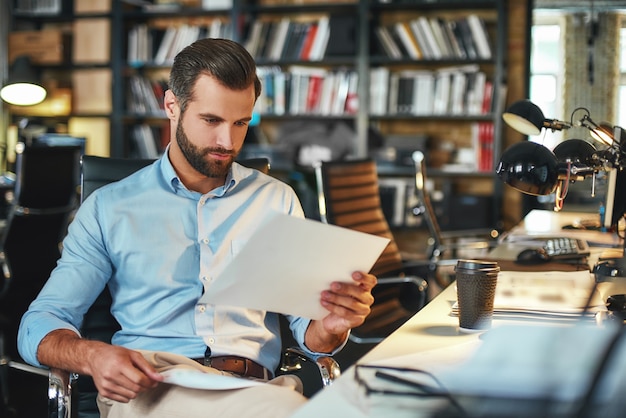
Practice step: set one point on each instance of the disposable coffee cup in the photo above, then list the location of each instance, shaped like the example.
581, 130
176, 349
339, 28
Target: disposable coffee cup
476, 289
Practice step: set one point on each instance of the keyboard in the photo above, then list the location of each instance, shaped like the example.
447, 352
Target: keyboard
564, 248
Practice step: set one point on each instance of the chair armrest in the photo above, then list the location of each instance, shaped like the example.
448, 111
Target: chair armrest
60, 393
293, 358
396, 299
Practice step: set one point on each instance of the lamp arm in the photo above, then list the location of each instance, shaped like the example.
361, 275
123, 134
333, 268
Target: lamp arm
556, 125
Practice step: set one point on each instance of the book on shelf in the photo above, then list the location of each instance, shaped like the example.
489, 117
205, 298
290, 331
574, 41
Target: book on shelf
294, 40
279, 39
342, 36
487, 104
351, 106
341, 92
172, 39
282, 82
146, 141
141, 44
145, 96
379, 90
387, 42
458, 50
314, 91
267, 32
406, 37
482, 139
465, 35
217, 4
420, 37
322, 36
307, 43
475, 92
457, 93
479, 36
440, 37
423, 93
458, 90
161, 55
38, 7
423, 27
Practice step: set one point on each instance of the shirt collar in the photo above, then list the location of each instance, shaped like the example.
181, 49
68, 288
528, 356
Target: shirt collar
236, 173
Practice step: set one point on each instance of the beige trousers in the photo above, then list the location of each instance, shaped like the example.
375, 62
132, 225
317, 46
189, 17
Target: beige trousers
280, 397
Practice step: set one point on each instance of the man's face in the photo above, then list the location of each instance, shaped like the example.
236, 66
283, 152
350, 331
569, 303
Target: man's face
210, 133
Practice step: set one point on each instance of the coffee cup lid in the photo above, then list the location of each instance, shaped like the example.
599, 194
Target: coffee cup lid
476, 264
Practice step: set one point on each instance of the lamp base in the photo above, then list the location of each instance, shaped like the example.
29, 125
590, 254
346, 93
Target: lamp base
610, 277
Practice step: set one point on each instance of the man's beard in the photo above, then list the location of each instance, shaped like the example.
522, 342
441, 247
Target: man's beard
197, 157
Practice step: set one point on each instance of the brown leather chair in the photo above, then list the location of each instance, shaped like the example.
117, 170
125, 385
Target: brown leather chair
349, 197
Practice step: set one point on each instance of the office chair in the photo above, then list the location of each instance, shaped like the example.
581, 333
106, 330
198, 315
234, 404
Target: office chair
44, 199
441, 254
75, 395
348, 195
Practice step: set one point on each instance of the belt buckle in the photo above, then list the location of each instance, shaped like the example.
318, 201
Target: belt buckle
207, 361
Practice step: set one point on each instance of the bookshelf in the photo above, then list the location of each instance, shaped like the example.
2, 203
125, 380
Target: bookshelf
360, 63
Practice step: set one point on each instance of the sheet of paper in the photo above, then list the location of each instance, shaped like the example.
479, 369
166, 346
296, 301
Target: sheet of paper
197, 380
553, 294
289, 261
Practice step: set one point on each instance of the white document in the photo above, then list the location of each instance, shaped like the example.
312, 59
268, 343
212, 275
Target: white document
196, 379
289, 261
554, 294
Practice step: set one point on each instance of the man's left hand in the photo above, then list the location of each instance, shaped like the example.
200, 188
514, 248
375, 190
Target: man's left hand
348, 304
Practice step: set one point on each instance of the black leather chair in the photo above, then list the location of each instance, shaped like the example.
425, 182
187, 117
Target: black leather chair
45, 196
75, 395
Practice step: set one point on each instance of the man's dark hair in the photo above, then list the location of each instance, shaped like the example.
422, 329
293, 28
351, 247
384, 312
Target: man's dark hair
225, 60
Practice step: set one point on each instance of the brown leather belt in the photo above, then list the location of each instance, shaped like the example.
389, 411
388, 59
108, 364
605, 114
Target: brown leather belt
234, 364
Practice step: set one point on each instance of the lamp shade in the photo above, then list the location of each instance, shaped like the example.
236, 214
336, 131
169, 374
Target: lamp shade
23, 87
575, 151
525, 117
603, 133
529, 167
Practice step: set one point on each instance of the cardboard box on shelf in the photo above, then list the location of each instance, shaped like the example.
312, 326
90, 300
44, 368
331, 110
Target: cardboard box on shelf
91, 89
44, 47
91, 41
96, 130
92, 6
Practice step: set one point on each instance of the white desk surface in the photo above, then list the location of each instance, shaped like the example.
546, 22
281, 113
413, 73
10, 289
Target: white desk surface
432, 328
431, 336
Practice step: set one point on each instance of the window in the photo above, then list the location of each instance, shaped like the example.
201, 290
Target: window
546, 76
621, 99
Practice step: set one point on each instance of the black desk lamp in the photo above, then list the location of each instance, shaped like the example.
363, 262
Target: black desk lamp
526, 117
533, 169
22, 87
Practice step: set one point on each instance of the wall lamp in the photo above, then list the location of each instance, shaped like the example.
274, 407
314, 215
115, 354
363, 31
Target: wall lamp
22, 87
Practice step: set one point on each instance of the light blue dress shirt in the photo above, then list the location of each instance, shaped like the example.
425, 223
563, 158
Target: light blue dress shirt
159, 246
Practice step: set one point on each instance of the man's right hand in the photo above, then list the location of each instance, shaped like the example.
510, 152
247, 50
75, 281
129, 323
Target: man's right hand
119, 374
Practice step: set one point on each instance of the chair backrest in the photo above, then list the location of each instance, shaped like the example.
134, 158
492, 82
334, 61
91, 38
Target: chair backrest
424, 206
348, 195
98, 171
44, 198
